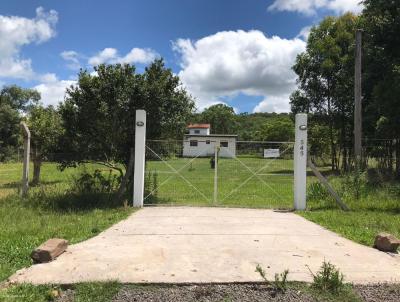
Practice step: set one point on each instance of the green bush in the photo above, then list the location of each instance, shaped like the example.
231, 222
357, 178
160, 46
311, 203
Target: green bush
328, 279
95, 182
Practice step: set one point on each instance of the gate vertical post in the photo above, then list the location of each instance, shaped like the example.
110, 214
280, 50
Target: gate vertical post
300, 162
216, 150
140, 156
27, 147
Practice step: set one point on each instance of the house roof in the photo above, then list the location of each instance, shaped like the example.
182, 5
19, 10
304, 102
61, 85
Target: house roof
202, 126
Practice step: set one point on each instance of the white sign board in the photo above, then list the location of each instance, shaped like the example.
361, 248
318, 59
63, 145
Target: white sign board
271, 153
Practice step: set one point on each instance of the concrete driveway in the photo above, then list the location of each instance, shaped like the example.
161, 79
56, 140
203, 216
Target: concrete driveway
181, 245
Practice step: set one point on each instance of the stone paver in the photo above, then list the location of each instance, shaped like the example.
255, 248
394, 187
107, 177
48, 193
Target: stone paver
186, 244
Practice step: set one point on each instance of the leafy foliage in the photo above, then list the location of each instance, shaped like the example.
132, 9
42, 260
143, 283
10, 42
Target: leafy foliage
328, 278
99, 112
46, 130
14, 100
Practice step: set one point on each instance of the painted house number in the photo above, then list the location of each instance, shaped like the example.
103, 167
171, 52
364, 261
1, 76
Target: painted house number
302, 147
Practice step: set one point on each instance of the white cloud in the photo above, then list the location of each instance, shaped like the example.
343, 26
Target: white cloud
310, 7
15, 32
111, 56
72, 58
232, 62
304, 33
53, 90
274, 104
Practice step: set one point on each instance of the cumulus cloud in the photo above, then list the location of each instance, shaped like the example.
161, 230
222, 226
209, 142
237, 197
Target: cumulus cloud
111, 56
72, 59
232, 62
52, 89
15, 32
310, 7
304, 33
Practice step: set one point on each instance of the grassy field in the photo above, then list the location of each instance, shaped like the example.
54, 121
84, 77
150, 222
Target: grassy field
49, 211
244, 182
377, 210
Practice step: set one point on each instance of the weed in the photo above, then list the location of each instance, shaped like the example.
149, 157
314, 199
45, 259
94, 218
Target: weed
328, 278
280, 282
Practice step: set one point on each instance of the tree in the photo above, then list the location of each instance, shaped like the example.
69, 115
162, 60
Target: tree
46, 129
325, 77
221, 117
14, 100
99, 114
279, 129
381, 22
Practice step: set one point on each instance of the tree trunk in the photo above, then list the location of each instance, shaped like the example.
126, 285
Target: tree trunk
125, 179
37, 164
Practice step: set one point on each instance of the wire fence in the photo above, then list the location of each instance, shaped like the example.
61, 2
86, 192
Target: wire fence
219, 172
225, 172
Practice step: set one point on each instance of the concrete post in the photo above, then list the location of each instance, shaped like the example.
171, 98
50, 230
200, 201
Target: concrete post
140, 152
300, 162
27, 150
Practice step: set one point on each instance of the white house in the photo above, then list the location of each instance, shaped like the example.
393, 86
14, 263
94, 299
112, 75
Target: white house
199, 142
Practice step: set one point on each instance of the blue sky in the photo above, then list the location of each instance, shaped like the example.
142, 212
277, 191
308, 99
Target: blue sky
231, 51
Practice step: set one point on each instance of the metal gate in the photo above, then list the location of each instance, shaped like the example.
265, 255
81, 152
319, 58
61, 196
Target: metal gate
207, 172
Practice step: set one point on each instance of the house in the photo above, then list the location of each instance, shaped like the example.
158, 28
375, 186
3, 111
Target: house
199, 142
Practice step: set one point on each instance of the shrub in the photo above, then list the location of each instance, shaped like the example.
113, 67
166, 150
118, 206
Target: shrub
95, 182
328, 278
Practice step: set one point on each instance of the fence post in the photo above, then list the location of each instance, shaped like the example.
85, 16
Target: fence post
27, 148
140, 152
216, 150
300, 162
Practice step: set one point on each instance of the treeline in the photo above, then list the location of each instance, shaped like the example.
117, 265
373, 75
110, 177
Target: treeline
326, 85
248, 126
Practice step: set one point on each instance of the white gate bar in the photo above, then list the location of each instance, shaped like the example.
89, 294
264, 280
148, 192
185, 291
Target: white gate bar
300, 162
140, 153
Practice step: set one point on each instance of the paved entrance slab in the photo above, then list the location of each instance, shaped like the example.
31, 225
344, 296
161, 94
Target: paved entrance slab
181, 245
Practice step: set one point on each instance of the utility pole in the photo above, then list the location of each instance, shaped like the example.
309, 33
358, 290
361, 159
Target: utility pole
357, 102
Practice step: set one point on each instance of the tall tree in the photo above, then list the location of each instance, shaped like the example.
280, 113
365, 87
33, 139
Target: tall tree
221, 117
381, 22
14, 101
46, 128
325, 77
99, 113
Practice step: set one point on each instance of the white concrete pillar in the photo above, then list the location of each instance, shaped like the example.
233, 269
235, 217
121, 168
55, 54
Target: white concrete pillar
27, 150
140, 152
300, 162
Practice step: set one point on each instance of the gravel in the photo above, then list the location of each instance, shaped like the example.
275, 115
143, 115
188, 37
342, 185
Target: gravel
235, 293
379, 292
208, 293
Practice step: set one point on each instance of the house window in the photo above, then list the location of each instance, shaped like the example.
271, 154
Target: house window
193, 143
224, 144
207, 142
196, 131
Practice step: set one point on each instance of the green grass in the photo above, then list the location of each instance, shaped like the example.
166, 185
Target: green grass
49, 211
83, 292
242, 182
376, 211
